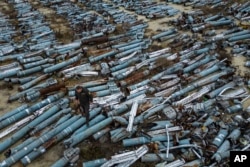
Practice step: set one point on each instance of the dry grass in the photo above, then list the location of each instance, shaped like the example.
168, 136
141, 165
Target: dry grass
155, 47
222, 10
58, 23
8, 9
223, 54
121, 29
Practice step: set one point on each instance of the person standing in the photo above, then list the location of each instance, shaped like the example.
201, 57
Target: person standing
83, 100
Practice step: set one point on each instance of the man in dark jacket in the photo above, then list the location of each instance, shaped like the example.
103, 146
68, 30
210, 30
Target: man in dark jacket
83, 99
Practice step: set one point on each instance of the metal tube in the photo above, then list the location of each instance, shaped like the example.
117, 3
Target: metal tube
199, 83
98, 88
61, 162
202, 50
17, 156
94, 118
148, 113
151, 157
240, 37
90, 131
168, 32
125, 64
143, 140
26, 79
217, 91
220, 23
133, 78
9, 66
14, 111
94, 83
93, 59
18, 135
165, 38
82, 67
62, 65
127, 52
22, 145
9, 73
33, 82
219, 139
124, 59
14, 118
124, 48
30, 59
235, 34
107, 92
101, 117
21, 123
37, 63
221, 150
235, 108
42, 149
32, 70
132, 115
208, 71
137, 85
247, 64
49, 121
102, 132
19, 95
194, 95
94, 163
10, 57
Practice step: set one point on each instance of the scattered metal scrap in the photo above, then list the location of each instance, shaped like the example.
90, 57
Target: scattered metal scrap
178, 105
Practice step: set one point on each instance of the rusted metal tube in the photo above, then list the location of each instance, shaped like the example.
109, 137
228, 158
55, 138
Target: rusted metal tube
43, 91
52, 88
95, 40
134, 78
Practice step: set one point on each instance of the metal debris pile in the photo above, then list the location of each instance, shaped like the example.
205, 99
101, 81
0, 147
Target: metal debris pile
150, 9
181, 105
7, 31
240, 11
83, 23
200, 3
34, 27
110, 11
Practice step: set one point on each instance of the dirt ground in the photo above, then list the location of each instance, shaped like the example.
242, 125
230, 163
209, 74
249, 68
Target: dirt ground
90, 149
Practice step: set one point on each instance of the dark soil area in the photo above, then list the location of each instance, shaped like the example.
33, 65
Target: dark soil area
92, 149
